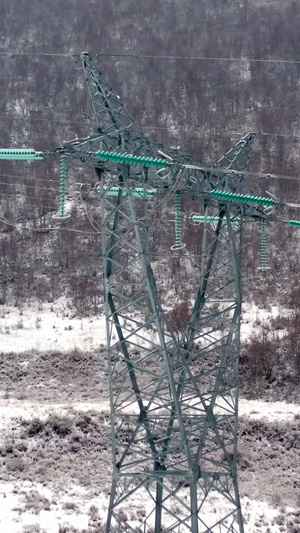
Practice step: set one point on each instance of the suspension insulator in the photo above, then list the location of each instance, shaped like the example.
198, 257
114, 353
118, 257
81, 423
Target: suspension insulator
61, 215
263, 247
179, 245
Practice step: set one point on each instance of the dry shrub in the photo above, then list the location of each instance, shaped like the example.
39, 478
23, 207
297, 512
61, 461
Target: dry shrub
58, 445
94, 512
293, 528
260, 356
70, 506
294, 341
33, 528
36, 502
60, 425
36, 426
66, 528
179, 317
15, 464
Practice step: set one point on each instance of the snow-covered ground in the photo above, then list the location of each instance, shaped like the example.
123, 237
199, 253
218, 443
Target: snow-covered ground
55, 327
52, 328
21, 507
254, 317
274, 412
29, 506
258, 516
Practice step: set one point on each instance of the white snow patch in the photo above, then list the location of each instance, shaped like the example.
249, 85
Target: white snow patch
48, 330
260, 517
268, 411
15, 514
253, 316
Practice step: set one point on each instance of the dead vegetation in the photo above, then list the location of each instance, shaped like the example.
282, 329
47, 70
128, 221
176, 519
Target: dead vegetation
45, 376
59, 449
268, 459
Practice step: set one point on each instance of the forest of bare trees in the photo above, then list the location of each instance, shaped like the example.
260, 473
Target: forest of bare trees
193, 74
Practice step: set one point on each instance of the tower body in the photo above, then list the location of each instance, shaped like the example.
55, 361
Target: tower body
173, 399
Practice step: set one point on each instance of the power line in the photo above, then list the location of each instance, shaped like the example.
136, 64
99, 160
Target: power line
5, 221
38, 206
253, 174
182, 127
170, 255
59, 228
46, 229
200, 58
30, 187
155, 56
271, 134
51, 207
30, 197
15, 117
55, 54
148, 126
29, 178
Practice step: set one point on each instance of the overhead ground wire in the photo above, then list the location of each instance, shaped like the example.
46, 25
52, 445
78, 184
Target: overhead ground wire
132, 55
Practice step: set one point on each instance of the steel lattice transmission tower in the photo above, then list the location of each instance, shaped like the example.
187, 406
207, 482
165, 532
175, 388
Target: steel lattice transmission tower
174, 403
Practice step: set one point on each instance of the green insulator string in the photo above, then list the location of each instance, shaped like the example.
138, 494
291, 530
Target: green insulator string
21, 153
201, 219
136, 192
243, 198
130, 159
178, 223
63, 187
295, 223
263, 249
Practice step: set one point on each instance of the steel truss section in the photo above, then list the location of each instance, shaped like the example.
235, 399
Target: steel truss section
173, 404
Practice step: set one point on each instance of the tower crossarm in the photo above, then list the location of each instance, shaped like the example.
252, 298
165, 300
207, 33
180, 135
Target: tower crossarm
163, 167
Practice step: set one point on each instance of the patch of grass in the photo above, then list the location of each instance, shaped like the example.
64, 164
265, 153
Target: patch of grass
57, 447
35, 502
70, 506
15, 464
73, 375
33, 528
67, 528
273, 454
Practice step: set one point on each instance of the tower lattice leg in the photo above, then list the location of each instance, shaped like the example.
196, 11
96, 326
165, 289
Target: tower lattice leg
173, 404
